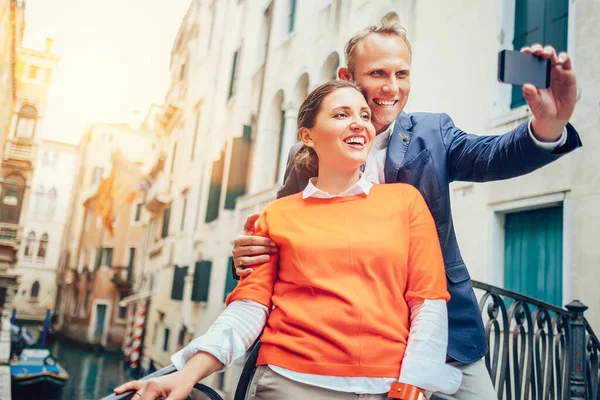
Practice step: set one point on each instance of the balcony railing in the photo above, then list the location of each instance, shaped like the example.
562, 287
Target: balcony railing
122, 278
17, 150
9, 234
537, 351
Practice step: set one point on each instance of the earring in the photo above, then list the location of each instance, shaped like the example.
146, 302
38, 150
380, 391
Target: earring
310, 143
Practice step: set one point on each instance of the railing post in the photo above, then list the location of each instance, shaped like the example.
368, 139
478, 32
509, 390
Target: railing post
577, 350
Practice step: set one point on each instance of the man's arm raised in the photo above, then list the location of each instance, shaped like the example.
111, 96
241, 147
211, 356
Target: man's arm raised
249, 250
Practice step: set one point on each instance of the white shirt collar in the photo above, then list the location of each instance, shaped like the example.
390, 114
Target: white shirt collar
363, 186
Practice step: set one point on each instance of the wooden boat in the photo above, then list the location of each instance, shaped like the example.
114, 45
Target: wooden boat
37, 375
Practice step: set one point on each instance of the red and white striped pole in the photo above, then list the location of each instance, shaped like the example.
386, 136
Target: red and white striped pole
128, 334
137, 335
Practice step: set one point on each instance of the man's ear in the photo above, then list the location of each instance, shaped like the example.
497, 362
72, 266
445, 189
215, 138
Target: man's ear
305, 137
344, 74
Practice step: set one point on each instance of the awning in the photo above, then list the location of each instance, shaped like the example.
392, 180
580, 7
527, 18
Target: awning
134, 298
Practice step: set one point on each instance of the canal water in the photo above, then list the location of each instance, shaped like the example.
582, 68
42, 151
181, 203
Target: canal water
92, 375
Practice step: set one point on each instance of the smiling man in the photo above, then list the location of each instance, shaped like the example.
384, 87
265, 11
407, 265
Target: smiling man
429, 152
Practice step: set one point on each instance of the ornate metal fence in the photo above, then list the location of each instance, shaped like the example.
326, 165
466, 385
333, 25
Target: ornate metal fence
537, 351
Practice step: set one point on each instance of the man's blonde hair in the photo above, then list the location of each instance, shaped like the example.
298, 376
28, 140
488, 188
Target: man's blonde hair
383, 28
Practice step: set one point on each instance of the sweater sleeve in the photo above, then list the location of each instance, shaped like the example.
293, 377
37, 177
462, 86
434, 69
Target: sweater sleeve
258, 286
426, 277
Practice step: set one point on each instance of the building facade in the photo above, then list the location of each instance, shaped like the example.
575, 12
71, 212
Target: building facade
89, 286
43, 229
230, 119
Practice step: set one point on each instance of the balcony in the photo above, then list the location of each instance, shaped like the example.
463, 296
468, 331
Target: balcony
158, 195
20, 149
10, 235
123, 279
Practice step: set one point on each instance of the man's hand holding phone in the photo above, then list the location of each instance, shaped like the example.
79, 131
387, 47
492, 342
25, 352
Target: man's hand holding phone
551, 107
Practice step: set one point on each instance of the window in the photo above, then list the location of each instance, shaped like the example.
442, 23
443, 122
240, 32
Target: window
230, 283
41, 255
122, 310
166, 339
201, 283
51, 206
292, 16
131, 263
35, 290
539, 21
86, 302
195, 138
38, 200
26, 121
183, 212
29, 243
240, 161
97, 175
105, 255
179, 274
233, 75
33, 72
214, 194
173, 157
165, 222
137, 212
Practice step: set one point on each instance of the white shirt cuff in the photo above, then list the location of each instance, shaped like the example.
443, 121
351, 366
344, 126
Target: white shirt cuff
228, 338
424, 364
548, 145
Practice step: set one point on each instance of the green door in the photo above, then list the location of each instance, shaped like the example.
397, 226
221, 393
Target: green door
100, 317
533, 245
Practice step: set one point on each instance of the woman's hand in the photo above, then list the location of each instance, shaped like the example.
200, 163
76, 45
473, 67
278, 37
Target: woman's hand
175, 386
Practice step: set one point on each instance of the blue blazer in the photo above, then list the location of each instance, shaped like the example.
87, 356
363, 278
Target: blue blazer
428, 151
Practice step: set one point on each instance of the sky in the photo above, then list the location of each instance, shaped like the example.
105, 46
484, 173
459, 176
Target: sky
114, 58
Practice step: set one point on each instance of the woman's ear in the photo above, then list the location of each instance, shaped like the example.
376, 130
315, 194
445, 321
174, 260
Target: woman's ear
305, 135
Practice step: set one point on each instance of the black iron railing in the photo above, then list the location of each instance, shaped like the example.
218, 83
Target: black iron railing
537, 351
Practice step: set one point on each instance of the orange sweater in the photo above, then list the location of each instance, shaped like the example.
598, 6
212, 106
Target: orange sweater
346, 271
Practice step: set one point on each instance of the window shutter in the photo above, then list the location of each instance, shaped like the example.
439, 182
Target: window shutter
230, 283
233, 73
238, 171
539, 21
165, 225
214, 195
201, 281
292, 15
179, 275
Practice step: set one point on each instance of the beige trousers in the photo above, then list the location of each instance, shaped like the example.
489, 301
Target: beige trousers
269, 385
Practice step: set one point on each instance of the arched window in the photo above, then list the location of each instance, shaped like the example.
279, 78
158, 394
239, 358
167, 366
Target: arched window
51, 206
11, 195
26, 121
329, 68
29, 243
38, 199
35, 290
43, 247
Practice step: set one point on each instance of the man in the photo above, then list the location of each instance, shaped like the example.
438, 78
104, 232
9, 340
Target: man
428, 152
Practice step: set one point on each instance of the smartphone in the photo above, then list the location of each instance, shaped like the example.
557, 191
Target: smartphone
518, 68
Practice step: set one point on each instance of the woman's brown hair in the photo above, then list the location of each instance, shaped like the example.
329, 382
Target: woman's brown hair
306, 158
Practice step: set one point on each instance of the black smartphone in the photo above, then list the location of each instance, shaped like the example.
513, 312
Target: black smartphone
518, 68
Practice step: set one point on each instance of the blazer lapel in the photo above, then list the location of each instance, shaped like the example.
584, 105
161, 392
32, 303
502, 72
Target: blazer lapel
397, 146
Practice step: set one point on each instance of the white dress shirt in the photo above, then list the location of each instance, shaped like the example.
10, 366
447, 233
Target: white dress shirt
424, 360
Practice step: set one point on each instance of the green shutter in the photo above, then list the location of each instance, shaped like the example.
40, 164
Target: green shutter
109, 255
99, 258
240, 159
230, 283
292, 15
179, 274
201, 281
165, 224
539, 21
533, 253
214, 194
233, 72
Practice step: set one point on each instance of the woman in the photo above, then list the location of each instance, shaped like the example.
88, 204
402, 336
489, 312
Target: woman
359, 267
